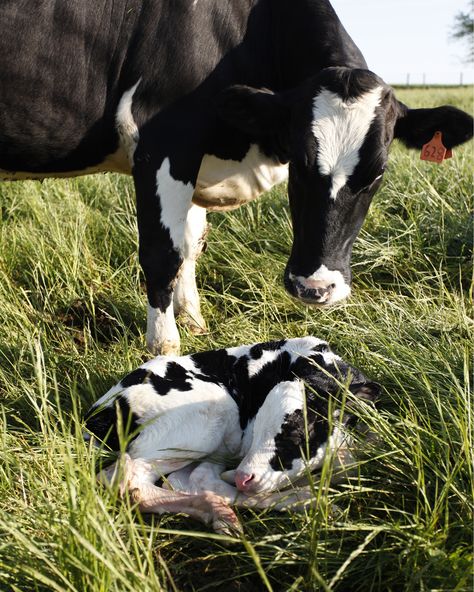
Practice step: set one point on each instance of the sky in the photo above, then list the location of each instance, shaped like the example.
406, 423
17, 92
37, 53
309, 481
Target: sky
408, 37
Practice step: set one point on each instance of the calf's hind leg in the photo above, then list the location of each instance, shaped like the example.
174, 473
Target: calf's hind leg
139, 482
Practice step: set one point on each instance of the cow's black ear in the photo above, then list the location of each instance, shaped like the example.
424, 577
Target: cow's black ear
255, 111
416, 127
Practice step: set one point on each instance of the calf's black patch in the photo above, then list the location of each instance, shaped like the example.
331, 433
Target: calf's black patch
103, 423
251, 392
291, 442
214, 365
138, 376
256, 351
176, 377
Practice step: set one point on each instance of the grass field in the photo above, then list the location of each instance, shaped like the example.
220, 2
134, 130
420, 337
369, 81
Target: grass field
72, 310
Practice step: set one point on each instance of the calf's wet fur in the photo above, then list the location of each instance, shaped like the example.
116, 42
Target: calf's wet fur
279, 407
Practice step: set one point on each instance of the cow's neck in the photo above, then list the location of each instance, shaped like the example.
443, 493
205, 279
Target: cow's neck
311, 37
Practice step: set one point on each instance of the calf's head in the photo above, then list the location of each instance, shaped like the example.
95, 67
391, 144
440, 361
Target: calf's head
298, 422
335, 132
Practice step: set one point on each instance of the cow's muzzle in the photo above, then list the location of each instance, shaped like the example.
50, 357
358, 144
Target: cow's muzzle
322, 288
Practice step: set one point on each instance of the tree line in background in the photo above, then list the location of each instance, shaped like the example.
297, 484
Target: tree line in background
463, 29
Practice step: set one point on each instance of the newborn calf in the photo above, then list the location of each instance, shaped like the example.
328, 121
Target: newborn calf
277, 406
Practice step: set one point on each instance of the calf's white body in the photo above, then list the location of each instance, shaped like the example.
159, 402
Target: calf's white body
274, 409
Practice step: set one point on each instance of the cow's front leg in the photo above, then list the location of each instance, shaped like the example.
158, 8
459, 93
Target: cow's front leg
186, 297
163, 203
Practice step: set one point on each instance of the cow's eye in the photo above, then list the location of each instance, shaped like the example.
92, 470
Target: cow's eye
373, 184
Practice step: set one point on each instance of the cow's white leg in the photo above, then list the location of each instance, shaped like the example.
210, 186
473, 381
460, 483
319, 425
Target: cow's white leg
162, 334
139, 482
186, 297
163, 203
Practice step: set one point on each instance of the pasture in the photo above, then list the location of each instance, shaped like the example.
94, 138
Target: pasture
72, 310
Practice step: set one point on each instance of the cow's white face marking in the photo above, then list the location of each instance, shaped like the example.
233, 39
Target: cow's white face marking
126, 126
258, 442
175, 200
227, 184
340, 128
326, 277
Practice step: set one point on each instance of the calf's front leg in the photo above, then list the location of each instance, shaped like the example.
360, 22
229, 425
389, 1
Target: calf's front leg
207, 477
163, 203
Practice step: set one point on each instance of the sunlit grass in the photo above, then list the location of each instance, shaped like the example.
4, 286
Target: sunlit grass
73, 321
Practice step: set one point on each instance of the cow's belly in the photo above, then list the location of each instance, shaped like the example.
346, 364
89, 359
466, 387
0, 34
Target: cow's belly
118, 162
228, 184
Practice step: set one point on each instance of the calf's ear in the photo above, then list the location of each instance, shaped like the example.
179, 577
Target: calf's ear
367, 391
416, 127
256, 111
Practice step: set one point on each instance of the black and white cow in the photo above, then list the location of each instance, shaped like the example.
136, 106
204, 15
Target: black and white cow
278, 406
206, 102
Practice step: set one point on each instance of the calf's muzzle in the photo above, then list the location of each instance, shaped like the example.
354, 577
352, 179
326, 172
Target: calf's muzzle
243, 480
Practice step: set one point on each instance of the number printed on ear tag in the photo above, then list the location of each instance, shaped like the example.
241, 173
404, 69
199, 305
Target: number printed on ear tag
434, 150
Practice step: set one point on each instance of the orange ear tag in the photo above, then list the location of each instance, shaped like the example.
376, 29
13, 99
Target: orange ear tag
434, 150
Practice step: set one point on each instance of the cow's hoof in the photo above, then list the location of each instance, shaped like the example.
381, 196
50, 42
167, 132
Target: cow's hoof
195, 327
170, 348
163, 348
193, 321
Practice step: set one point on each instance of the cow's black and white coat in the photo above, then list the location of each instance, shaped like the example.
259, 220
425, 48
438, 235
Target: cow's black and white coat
206, 103
277, 407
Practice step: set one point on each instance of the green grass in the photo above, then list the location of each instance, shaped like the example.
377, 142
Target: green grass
72, 311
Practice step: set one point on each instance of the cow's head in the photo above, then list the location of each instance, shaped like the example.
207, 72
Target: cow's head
297, 424
335, 132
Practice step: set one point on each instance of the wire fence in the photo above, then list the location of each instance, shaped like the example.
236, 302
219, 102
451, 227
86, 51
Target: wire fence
462, 78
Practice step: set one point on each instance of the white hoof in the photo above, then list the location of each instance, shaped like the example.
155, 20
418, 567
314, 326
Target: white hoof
162, 337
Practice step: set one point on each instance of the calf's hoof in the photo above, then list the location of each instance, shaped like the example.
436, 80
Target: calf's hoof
224, 519
228, 526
